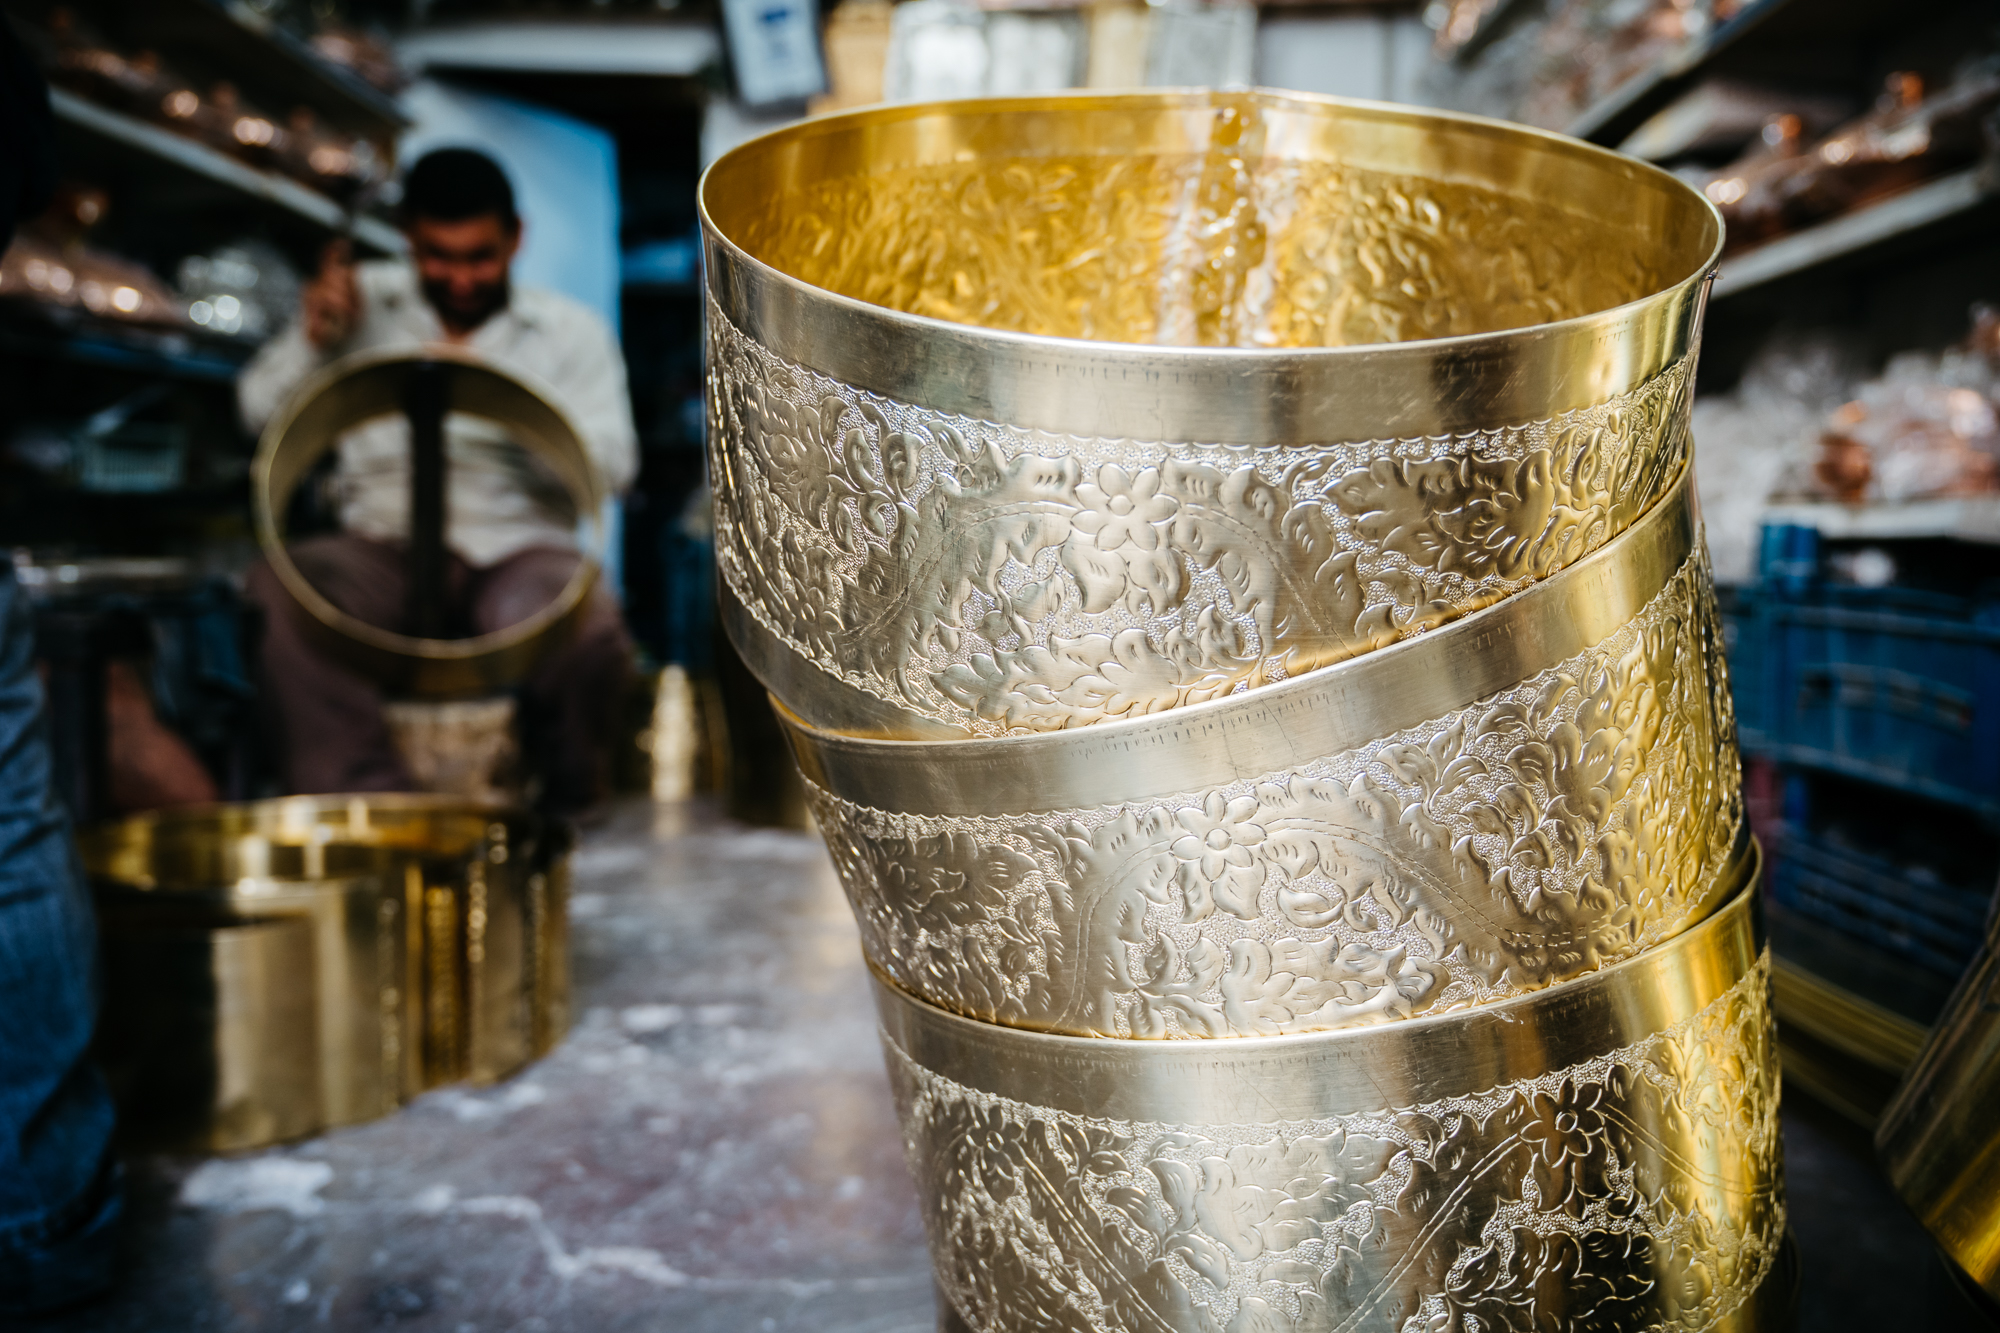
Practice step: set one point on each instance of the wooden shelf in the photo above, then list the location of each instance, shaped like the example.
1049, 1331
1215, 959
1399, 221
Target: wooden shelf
1898, 215
119, 134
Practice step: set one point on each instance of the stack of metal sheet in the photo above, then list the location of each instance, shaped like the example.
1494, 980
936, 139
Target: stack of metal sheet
1227, 565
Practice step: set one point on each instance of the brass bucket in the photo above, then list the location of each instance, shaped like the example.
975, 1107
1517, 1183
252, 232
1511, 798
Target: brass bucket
434, 939
1532, 792
1033, 414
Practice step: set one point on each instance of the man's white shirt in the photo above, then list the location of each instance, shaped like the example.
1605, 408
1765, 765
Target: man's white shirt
500, 500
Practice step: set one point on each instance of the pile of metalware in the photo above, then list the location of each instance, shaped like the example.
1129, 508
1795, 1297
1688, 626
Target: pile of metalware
1228, 567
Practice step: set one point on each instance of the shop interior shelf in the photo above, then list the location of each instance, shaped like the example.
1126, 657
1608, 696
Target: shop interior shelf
1489, 27
228, 39
1966, 518
1615, 115
103, 131
1900, 215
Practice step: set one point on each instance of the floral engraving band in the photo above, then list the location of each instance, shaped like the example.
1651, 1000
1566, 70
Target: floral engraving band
1548, 830
994, 579
1639, 1189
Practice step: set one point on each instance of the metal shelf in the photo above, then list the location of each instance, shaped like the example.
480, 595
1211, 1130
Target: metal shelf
1969, 518
1898, 215
227, 39
1615, 115
27, 330
671, 47
121, 133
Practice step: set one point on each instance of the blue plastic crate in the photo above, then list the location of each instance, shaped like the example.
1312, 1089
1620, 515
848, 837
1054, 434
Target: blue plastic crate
1889, 685
1906, 913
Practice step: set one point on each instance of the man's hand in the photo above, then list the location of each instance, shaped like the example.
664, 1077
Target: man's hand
331, 302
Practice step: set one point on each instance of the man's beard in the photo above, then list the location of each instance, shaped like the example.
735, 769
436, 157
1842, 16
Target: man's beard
486, 302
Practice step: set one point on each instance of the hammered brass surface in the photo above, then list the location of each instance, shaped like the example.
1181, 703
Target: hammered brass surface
436, 927
1583, 814
1940, 1137
1603, 1154
932, 528
368, 385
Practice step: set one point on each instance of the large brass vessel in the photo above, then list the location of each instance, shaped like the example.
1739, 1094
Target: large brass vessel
1529, 793
280, 967
1032, 414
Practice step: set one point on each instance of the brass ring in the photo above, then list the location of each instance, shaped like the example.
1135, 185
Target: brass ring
1616, 1135
1242, 736
370, 384
1588, 809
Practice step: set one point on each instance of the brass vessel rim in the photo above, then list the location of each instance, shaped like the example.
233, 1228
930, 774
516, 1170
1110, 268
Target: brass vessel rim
110, 848
294, 439
1330, 710
1001, 375
1302, 1076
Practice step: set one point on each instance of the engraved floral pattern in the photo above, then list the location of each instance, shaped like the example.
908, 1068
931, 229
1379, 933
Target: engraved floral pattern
1550, 829
1638, 1190
995, 579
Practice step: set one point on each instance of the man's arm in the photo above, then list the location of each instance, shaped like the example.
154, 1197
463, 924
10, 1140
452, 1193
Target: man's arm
329, 308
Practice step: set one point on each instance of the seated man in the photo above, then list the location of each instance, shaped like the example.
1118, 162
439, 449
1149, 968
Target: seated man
509, 539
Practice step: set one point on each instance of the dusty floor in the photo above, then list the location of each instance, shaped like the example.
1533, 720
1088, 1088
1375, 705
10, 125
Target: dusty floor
713, 1149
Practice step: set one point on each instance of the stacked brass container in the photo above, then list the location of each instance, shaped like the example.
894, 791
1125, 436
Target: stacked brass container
281, 967
1228, 567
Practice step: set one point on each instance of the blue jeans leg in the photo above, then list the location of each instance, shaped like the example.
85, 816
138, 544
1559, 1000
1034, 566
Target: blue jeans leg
60, 1195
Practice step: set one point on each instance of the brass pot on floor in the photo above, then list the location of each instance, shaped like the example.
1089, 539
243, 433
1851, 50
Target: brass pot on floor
1940, 1137
1227, 565
279, 967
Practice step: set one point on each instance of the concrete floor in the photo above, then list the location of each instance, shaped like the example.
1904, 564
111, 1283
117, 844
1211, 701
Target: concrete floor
713, 1149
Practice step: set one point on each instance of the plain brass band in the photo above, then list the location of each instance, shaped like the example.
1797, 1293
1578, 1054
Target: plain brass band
367, 385
927, 528
435, 938
1336, 708
1940, 1137
1604, 1153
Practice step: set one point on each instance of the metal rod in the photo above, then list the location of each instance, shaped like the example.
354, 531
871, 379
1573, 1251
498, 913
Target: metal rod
425, 398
